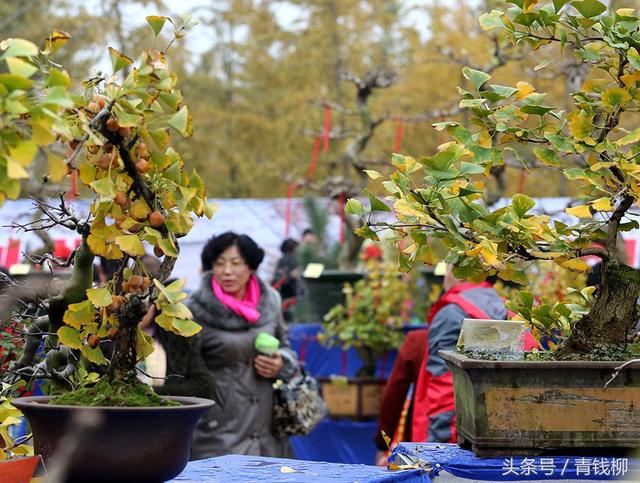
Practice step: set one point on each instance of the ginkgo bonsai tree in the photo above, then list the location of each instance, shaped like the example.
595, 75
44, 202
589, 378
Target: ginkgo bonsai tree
114, 134
595, 144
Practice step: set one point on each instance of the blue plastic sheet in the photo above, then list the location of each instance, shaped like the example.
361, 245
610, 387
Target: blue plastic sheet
463, 464
338, 441
322, 362
240, 468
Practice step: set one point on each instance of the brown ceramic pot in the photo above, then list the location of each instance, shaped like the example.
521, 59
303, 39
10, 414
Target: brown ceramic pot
113, 444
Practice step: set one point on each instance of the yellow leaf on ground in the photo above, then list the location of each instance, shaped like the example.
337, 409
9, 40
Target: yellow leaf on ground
286, 469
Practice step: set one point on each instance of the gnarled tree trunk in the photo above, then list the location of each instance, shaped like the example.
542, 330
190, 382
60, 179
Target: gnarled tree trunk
613, 314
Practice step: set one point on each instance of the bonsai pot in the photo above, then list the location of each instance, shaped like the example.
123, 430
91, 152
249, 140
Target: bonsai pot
353, 398
324, 292
508, 408
124, 444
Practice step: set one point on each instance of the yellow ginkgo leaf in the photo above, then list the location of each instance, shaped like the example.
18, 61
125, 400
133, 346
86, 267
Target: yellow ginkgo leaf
581, 211
602, 204
576, 265
524, 89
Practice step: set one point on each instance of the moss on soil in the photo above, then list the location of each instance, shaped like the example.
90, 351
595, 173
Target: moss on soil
616, 354
113, 394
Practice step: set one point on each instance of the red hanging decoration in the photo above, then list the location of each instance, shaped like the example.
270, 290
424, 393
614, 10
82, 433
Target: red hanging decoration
341, 202
327, 128
287, 212
399, 134
73, 193
314, 157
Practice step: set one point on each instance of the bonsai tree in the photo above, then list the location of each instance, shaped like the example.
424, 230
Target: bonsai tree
594, 144
114, 134
373, 315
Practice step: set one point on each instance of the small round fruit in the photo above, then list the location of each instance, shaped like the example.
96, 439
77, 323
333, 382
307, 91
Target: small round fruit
113, 331
116, 303
156, 219
105, 162
93, 106
112, 124
101, 102
142, 166
125, 132
126, 287
136, 281
74, 144
93, 341
121, 199
143, 151
146, 281
108, 148
157, 251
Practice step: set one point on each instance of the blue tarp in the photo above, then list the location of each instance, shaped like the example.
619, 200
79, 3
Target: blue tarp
238, 468
322, 362
463, 464
338, 441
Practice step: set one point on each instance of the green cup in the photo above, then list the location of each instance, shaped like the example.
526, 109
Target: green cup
266, 344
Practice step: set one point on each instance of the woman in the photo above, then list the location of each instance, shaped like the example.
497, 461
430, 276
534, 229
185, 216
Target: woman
234, 306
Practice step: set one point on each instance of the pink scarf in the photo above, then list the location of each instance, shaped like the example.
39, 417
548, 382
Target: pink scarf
245, 308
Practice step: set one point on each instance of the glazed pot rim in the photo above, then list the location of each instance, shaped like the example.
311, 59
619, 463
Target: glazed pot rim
187, 403
466, 362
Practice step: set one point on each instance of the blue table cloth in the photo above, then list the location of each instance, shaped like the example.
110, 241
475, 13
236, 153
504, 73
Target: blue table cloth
463, 464
350, 441
240, 468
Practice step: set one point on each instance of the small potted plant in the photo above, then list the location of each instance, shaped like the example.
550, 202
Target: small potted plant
115, 137
371, 320
557, 400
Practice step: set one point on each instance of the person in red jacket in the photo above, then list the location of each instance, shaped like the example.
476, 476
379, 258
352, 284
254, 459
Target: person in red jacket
403, 375
434, 406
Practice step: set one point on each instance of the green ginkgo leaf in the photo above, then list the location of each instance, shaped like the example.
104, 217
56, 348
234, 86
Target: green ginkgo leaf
130, 244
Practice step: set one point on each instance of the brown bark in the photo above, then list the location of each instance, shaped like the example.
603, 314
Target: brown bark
613, 314
123, 363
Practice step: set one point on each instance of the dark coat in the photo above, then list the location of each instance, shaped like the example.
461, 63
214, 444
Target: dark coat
187, 374
240, 421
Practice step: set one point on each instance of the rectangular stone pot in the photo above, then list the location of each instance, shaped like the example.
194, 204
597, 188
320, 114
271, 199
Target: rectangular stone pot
508, 408
352, 398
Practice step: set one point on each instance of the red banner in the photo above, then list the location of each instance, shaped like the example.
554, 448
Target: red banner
327, 128
314, 157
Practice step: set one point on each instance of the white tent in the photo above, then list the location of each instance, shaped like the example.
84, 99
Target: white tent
262, 219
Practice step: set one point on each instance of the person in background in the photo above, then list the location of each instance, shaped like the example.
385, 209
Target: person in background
233, 306
433, 417
285, 278
175, 367
397, 390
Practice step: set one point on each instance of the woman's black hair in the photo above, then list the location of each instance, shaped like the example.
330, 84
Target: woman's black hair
250, 251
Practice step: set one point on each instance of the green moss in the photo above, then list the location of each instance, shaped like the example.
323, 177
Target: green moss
602, 354
113, 394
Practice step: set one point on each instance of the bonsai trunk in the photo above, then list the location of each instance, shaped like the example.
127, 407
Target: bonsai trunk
613, 314
368, 369
123, 364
